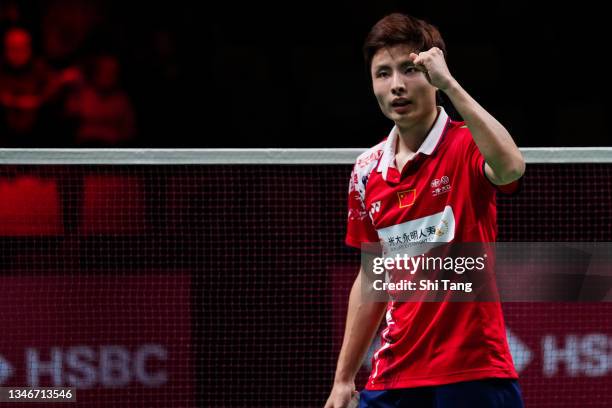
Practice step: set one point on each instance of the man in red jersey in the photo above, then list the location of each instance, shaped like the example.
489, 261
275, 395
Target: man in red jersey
431, 180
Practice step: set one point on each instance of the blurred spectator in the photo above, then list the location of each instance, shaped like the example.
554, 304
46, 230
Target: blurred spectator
9, 15
102, 111
23, 84
66, 25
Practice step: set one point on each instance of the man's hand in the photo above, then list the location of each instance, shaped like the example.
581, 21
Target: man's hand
432, 62
343, 395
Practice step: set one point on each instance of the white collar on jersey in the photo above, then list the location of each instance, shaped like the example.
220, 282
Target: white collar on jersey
427, 147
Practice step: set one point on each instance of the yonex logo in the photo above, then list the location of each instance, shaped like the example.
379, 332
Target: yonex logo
375, 208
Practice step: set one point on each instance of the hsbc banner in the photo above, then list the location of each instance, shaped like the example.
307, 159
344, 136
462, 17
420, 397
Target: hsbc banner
121, 340
563, 352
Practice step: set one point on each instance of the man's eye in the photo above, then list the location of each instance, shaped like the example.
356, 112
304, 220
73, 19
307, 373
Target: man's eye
410, 69
383, 74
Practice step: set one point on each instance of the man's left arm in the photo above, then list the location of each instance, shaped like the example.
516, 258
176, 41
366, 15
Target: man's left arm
504, 161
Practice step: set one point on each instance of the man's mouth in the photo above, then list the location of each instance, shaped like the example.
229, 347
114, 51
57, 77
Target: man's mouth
399, 102
401, 105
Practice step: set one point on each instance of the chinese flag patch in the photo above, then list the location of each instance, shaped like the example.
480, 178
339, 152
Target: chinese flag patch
406, 198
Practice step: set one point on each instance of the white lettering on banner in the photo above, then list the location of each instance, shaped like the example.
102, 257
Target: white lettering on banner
147, 352
114, 366
6, 369
521, 354
85, 367
35, 367
81, 360
439, 227
589, 355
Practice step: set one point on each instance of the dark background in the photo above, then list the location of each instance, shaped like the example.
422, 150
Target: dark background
229, 74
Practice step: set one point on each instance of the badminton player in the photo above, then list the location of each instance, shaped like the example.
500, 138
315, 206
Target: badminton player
428, 169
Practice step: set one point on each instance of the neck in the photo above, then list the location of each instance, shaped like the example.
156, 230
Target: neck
411, 137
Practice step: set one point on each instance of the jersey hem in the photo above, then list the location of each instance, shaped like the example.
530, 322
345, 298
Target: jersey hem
510, 189
462, 376
355, 243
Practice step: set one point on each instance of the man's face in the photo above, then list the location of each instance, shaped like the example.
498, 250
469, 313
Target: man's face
404, 94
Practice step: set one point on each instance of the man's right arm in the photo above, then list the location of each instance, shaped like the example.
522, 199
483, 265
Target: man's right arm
362, 321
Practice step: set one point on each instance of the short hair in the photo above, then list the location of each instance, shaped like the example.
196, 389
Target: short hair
397, 28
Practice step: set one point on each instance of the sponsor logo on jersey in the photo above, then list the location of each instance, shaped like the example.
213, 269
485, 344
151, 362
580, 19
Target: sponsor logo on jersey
374, 209
439, 227
440, 186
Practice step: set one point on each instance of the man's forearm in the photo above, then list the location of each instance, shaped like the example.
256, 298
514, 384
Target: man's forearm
493, 140
362, 321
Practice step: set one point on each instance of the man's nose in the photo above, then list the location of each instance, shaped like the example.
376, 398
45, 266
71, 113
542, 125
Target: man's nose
397, 85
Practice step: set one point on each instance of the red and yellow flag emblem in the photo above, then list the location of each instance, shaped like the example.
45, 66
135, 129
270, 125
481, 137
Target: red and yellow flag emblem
406, 197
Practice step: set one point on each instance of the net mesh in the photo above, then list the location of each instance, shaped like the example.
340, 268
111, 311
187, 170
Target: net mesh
226, 286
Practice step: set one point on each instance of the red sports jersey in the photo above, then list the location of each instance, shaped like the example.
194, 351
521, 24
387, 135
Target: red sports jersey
443, 185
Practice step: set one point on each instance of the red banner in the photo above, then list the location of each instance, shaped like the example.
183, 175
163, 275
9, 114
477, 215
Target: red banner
120, 340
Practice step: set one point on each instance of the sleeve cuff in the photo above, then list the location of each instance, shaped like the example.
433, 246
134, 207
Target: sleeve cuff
506, 189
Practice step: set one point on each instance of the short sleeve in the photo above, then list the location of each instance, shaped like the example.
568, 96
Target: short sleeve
359, 228
476, 163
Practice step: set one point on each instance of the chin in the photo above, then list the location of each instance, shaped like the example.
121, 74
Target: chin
405, 119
